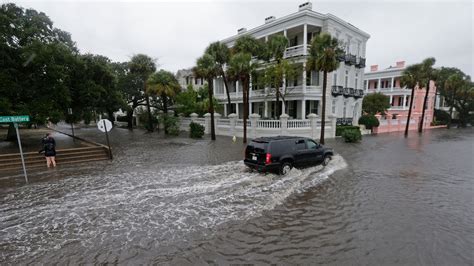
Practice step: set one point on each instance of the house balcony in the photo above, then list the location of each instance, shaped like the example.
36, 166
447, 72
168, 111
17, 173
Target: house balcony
350, 59
358, 93
295, 51
348, 92
337, 90
360, 62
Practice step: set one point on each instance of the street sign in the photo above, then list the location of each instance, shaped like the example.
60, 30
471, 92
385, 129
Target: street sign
15, 119
104, 125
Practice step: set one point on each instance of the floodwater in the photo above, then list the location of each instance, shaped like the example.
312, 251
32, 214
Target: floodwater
387, 200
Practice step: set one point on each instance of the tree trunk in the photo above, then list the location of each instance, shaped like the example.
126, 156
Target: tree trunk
451, 110
407, 126
277, 104
323, 111
211, 108
130, 114
165, 111
148, 108
245, 87
420, 127
110, 113
11, 134
226, 87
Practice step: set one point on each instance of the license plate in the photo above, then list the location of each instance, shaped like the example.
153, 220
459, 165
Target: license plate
254, 157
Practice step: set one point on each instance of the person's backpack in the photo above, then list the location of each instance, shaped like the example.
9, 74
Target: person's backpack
49, 146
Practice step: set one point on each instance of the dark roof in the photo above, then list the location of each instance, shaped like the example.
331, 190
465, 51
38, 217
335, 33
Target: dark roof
268, 139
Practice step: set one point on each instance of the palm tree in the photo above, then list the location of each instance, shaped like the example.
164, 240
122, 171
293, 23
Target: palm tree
451, 85
277, 73
164, 85
143, 66
221, 54
410, 77
241, 67
208, 69
428, 74
323, 56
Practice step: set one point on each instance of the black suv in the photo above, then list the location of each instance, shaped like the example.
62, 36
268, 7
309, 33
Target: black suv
280, 154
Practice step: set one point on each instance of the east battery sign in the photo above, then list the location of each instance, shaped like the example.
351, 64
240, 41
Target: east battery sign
15, 119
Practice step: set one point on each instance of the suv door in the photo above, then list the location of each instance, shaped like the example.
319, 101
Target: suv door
302, 154
315, 153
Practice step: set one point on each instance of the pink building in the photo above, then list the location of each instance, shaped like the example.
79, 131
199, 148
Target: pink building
387, 81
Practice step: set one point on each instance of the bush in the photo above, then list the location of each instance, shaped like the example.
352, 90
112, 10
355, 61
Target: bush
171, 124
352, 135
196, 130
340, 129
369, 121
441, 117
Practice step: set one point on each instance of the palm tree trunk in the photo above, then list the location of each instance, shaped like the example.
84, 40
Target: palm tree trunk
407, 126
277, 104
451, 110
323, 111
211, 108
226, 88
245, 87
420, 127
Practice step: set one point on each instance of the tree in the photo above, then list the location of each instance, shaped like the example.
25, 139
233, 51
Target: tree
375, 103
323, 56
464, 101
207, 68
164, 85
221, 54
428, 73
241, 67
452, 84
410, 79
142, 66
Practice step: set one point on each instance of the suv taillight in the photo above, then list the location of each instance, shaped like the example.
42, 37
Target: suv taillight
268, 158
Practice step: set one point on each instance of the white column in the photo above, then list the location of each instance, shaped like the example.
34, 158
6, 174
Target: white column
305, 39
284, 32
391, 85
266, 38
250, 108
391, 99
304, 76
237, 88
303, 108
237, 109
214, 89
404, 101
265, 112
378, 85
225, 110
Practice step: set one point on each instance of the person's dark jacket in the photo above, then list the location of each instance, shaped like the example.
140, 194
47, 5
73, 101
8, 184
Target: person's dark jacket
49, 147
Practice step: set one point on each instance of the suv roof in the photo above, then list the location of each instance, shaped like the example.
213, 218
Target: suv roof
269, 139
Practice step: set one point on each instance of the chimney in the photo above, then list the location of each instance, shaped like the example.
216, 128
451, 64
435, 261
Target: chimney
241, 30
400, 64
374, 68
269, 19
305, 6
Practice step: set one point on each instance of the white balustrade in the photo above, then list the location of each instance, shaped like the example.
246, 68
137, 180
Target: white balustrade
268, 123
299, 123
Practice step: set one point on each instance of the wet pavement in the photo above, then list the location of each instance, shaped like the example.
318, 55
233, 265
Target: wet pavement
387, 200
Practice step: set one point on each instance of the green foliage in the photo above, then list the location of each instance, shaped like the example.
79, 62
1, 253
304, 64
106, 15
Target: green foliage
352, 135
340, 129
323, 53
375, 103
441, 117
369, 121
171, 124
196, 130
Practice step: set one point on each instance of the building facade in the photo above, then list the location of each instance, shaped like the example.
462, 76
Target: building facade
387, 81
304, 94
186, 77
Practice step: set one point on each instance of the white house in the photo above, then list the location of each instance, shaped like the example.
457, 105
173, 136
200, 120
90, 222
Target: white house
304, 94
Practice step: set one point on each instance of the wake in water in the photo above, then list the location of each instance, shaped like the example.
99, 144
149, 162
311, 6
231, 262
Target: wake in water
145, 209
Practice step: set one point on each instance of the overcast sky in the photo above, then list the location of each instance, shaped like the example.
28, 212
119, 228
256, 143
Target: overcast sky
177, 32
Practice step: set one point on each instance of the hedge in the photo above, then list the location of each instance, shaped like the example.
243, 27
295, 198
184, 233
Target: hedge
340, 129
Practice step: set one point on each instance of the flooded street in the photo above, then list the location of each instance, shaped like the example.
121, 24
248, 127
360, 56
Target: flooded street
387, 200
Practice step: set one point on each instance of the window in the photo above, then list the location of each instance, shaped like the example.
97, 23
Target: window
314, 78
365, 84
356, 81
308, 78
311, 144
394, 82
334, 106
300, 145
347, 79
334, 79
195, 81
375, 85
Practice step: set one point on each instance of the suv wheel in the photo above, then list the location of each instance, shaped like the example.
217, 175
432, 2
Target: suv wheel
285, 168
326, 160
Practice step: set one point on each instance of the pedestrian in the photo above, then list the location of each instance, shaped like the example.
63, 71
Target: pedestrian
49, 149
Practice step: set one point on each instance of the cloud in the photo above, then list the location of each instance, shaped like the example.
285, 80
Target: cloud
177, 32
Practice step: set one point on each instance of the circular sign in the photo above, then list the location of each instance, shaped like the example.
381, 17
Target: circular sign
104, 124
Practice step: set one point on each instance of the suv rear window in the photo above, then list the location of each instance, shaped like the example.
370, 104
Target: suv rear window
260, 147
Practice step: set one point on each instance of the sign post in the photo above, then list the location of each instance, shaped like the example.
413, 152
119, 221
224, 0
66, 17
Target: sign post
105, 126
15, 120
